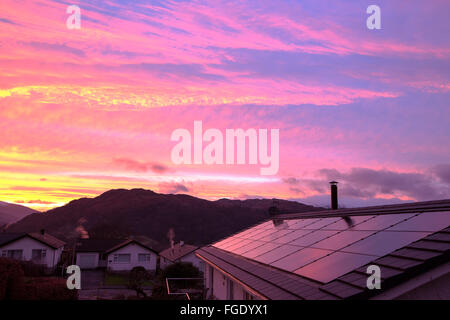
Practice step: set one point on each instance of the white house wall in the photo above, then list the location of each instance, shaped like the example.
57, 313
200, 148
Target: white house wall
134, 250
220, 285
27, 244
192, 258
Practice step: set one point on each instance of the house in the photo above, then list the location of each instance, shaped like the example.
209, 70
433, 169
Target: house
180, 252
327, 254
41, 248
115, 254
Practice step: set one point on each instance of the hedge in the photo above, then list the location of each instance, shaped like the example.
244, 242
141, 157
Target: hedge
14, 286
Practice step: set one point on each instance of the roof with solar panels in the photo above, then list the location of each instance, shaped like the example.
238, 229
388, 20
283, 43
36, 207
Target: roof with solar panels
325, 254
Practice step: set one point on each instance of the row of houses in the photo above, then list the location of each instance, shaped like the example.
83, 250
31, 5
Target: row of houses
112, 254
313, 255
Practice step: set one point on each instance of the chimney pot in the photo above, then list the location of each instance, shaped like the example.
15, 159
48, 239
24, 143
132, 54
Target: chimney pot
42, 231
334, 195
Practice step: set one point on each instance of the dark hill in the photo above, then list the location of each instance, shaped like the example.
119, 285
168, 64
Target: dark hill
139, 212
10, 213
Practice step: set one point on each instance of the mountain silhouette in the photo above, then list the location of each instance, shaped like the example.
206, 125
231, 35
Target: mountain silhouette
10, 212
122, 213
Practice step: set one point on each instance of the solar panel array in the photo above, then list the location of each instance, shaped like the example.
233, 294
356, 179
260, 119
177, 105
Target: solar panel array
326, 248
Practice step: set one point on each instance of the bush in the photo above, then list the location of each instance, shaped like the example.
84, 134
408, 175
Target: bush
14, 287
30, 269
11, 280
180, 270
48, 289
136, 279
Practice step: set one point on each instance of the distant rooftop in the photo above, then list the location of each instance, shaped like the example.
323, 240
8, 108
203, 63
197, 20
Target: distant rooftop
325, 254
106, 245
45, 238
178, 251
97, 245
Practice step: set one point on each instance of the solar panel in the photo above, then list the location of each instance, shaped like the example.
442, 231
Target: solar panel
248, 247
222, 243
300, 258
342, 239
275, 235
333, 266
325, 248
259, 235
313, 237
430, 221
254, 234
292, 236
341, 224
265, 225
233, 240
277, 253
238, 244
301, 223
384, 242
383, 221
260, 250
322, 223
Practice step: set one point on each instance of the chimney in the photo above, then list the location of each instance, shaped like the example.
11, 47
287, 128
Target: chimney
42, 231
273, 210
334, 195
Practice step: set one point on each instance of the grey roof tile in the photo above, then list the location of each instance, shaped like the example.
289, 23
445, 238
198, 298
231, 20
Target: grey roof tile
440, 236
430, 245
356, 279
341, 289
397, 262
415, 254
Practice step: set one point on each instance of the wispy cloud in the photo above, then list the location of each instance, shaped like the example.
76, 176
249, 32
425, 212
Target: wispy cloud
93, 109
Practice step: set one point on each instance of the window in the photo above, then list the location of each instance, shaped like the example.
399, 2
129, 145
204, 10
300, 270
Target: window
14, 254
143, 257
122, 258
38, 255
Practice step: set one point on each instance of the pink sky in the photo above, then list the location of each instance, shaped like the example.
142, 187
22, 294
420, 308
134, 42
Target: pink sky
83, 111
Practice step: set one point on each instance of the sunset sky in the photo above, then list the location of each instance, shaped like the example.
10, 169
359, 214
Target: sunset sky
84, 111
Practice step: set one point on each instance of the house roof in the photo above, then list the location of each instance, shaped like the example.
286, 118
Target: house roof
325, 254
97, 245
6, 237
178, 251
106, 245
127, 242
45, 238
